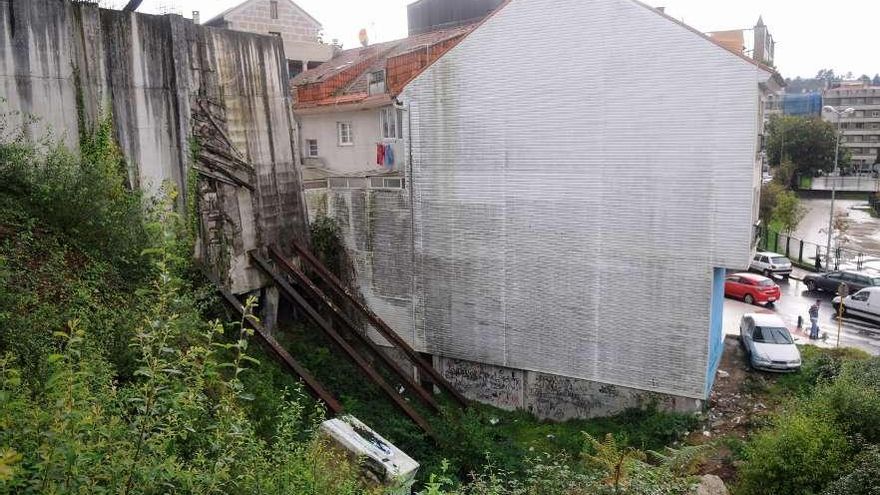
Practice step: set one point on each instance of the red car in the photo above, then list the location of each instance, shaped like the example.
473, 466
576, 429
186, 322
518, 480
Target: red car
751, 288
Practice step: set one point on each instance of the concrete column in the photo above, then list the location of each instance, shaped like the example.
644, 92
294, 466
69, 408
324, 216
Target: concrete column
269, 311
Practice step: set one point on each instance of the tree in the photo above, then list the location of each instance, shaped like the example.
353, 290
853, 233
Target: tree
809, 143
769, 196
865, 79
876, 81
827, 75
788, 211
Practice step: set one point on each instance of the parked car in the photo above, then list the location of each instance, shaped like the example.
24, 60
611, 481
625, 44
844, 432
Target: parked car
830, 281
751, 288
771, 264
768, 343
864, 303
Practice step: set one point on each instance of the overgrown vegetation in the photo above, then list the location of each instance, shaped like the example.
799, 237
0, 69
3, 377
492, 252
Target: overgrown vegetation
111, 379
824, 439
116, 374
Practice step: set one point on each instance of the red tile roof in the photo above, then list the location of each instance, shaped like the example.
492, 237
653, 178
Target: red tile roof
345, 78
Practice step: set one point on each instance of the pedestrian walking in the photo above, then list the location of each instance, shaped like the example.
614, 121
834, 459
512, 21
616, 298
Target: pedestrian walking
814, 319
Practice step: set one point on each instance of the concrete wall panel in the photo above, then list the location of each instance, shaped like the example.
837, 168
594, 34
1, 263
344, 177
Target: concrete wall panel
568, 220
70, 64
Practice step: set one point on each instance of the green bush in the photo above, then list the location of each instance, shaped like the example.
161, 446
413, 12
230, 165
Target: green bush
853, 399
82, 196
864, 479
798, 454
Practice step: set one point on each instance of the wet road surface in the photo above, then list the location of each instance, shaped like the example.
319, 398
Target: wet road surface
796, 301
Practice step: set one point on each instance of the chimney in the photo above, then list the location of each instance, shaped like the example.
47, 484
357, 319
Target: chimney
662, 10
196, 17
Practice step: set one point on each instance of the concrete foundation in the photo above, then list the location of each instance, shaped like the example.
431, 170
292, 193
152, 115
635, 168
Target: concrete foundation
552, 397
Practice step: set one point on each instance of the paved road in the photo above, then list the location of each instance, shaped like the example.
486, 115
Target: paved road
796, 300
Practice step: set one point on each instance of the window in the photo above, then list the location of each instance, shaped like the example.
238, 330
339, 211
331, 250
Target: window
875, 113
377, 82
275, 33
312, 147
391, 122
273, 9
343, 133
772, 335
860, 296
294, 68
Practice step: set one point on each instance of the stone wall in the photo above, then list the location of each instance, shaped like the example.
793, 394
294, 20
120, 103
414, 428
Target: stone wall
167, 83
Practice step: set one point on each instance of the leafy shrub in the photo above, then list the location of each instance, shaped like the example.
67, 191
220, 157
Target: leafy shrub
853, 399
327, 244
864, 479
799, 454
83, 197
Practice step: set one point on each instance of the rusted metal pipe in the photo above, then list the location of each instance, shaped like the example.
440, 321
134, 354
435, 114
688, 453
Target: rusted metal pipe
303, 280
336, 285
132, 5
295, 297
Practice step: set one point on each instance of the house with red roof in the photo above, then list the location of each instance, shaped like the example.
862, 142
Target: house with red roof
351, 123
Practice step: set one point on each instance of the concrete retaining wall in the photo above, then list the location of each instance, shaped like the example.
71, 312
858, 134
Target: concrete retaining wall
164, 80
552, 397
376, 227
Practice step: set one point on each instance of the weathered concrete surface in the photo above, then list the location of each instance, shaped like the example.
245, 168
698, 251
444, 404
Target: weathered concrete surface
376, 228
552, 397
68, 64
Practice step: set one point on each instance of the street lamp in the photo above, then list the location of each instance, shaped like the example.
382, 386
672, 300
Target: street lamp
840, 114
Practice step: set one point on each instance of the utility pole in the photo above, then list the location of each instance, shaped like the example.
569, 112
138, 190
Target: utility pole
840, 114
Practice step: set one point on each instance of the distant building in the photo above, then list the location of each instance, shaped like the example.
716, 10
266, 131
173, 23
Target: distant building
429, 15
346, 108
794, 104
762, 47
861, 130
299, 30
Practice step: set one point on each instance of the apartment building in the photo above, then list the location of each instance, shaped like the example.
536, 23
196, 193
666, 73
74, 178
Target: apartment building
860, 130
299, 31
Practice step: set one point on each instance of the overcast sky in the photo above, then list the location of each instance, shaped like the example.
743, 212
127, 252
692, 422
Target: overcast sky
810, 35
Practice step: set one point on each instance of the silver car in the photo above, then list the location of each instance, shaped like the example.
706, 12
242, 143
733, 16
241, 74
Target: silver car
768, 343
770, 264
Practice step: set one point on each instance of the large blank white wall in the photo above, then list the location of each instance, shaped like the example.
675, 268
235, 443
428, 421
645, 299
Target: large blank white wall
578, 169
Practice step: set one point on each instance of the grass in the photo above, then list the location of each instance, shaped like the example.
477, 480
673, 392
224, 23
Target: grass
481, 435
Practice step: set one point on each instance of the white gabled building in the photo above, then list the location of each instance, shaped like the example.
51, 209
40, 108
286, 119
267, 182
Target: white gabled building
582, 174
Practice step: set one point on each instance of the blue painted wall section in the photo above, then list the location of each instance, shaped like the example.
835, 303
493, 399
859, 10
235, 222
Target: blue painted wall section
716, 333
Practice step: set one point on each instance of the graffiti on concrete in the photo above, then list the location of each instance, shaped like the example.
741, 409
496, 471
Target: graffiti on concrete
501, 387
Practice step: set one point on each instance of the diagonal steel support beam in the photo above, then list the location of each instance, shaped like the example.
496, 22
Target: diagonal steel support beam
312, 384
316, 292
341, 291
293, 296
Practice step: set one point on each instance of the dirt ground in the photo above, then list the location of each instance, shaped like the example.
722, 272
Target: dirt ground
738, 405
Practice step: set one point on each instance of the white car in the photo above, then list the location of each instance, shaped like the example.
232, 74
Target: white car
768, 343
864, 303
770, 264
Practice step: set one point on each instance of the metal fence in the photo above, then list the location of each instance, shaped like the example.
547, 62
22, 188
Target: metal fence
814, 256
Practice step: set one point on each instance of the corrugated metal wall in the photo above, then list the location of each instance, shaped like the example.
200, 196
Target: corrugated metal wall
579, 169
